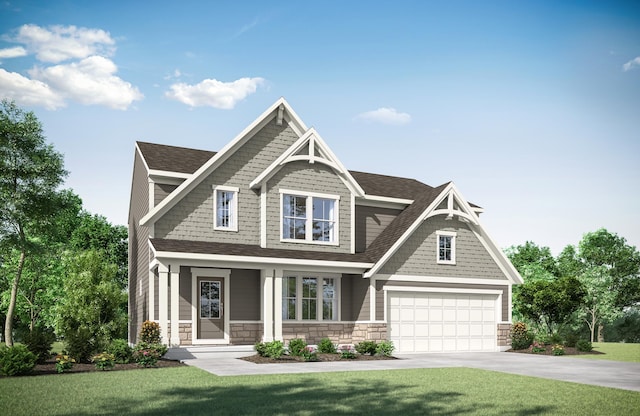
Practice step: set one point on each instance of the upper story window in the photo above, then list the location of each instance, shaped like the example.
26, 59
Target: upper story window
225, 203
446, 247
311, 218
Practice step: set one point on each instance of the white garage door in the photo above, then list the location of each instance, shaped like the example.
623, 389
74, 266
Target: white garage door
442, 322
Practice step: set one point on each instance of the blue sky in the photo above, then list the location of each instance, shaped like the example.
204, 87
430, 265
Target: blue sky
531, 108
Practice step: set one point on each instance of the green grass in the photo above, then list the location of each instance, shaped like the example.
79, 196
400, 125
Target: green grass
614, 351
190, 391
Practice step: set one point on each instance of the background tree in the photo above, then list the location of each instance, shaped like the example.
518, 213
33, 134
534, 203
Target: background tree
30, 173
532, 261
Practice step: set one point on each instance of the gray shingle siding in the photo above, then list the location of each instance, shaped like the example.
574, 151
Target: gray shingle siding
161, 191
302, 176
192, 217
417, 257
370, 222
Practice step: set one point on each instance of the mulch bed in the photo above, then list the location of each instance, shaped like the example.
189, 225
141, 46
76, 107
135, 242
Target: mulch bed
49, 367
257, 359
548, 351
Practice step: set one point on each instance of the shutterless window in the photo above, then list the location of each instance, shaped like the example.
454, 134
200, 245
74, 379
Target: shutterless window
309, 298
289, 298
309, 218
329, 300
226, 208
446, 248
323, 219
294, 224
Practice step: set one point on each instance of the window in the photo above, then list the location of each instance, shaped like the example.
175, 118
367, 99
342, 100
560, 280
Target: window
446, 247
310, 298
225, 202
209, 299
310, 218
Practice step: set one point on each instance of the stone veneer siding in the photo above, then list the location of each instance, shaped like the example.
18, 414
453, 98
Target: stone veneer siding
245, 333
338, 333
504, 335
185, 332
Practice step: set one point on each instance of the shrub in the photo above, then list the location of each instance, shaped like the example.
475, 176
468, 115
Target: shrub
274, 349
81, 344
39, 341
584, 345
326, 346
521, 337
150, 332
147, 355
366, 347
296, 346
537, 347
104, 361
385, 348
64, 363
309, 354
121, 350
557, 349
347, 352
16, 360
555, 339
571, 340
261, 349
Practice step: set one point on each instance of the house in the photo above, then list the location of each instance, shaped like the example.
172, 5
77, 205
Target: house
272, 238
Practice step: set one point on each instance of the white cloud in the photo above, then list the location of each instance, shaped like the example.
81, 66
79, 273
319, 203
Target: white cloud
26, 91
214, 93
89, 81
59, 43
175, 75
13, 52
634, 63
385, 115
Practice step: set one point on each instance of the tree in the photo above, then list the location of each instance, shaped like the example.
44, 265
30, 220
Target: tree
30, 173
550, 303
90, 314
533, 262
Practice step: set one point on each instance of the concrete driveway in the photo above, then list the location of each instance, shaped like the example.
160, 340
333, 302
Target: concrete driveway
614, 374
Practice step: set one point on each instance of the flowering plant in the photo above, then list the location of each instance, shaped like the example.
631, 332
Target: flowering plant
64, 363
557, 349
347, 351
309, 354
147, 355
104, 361
537, 347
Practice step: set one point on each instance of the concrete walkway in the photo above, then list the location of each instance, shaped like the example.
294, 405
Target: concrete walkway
614, 374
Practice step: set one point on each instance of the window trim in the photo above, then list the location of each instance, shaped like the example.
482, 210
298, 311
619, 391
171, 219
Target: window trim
299, 276
451, 234
234, 207
309, 217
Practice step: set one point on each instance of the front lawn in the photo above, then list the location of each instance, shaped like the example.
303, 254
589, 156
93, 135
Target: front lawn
615, 351
190, 391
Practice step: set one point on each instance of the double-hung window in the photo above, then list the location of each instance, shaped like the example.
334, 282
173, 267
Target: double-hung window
309, 298
225, 204
446, 247
311, 218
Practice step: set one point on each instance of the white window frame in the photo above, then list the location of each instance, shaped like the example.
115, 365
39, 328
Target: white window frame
451, 234
309, 217
320, 277
233, 226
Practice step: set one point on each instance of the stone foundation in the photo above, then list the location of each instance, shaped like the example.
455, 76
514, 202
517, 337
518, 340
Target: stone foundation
504, 335
338, 333
185, 332
245, 333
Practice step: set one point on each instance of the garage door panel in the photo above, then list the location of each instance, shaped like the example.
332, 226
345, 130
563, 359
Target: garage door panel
441, 322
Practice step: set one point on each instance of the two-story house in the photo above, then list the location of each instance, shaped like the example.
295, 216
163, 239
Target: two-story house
273, 238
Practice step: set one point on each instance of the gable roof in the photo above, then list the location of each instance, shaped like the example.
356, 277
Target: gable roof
162, 157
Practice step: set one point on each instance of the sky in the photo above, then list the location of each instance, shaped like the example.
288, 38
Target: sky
531, 108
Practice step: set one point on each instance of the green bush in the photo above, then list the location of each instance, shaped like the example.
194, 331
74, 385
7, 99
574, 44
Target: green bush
261, 349
521, 337
104, 361
274, 349
347, 353
16, 360
39, 341
81, 344
326, 346
555, 339
147, 355
150, 332
296, 346
366, 347
584, 345
64, 363
309, 354
121, 351
385, 348
571, 340
557, 349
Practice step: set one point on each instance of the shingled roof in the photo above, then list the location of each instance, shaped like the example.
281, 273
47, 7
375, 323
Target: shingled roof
185, 160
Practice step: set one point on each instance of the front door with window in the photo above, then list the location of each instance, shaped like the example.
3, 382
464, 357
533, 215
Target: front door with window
210, 308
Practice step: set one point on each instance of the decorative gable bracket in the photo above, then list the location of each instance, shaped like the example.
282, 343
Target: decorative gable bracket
454, 206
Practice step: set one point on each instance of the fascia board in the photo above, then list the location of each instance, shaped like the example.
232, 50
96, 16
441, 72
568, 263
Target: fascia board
170, 255
168, 174
216, 160
408, 232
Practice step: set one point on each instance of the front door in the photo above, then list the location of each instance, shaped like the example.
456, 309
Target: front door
210, 308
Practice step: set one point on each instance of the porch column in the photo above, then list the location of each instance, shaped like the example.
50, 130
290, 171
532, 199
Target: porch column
266, 277
152, 295
175, 304
372, 299
277, 305
163, 301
